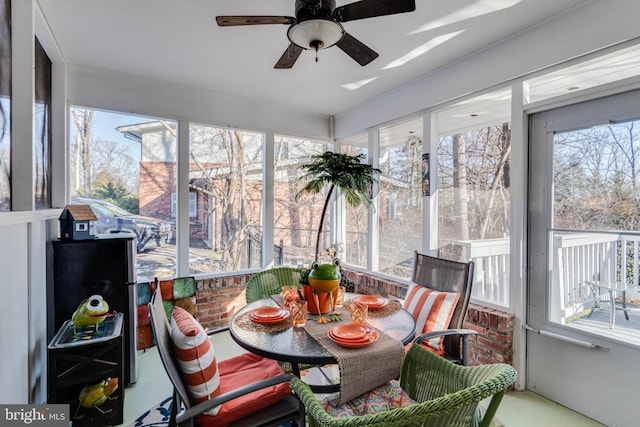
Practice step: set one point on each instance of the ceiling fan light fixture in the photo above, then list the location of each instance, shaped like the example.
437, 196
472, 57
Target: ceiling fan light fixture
315, 33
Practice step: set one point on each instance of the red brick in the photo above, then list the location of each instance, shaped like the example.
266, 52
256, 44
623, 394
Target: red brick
500, 337
494, 345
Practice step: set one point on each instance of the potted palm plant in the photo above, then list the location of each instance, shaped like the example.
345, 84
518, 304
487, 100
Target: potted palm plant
354, 180
346, 172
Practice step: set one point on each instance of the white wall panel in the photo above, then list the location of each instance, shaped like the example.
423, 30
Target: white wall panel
38, 234
14, 315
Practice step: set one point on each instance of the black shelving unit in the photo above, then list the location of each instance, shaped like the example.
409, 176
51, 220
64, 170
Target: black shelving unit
103, 266
77, 360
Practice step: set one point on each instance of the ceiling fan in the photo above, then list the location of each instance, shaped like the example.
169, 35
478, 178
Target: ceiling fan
317, 25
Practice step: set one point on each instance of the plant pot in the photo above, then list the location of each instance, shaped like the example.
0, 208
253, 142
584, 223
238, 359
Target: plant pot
323, 300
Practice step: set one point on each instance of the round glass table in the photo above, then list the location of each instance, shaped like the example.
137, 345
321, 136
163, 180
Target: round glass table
296, 346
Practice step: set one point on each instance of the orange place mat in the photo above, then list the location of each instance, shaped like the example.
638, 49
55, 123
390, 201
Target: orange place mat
243, 321
388, 309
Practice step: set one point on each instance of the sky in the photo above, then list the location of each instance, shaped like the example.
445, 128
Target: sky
105, 124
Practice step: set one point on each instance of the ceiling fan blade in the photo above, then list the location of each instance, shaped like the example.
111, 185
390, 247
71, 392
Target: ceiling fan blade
353, 47
289, 57
372, 8
230, 21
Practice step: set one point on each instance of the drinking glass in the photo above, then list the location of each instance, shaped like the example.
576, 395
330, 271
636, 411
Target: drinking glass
289, 293
340, 296
358, 313
298, 310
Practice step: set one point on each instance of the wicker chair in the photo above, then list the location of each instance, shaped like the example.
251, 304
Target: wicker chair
447, 276
270, 282
447, 394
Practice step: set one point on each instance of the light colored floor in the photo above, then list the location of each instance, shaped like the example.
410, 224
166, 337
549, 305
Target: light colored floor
518, 409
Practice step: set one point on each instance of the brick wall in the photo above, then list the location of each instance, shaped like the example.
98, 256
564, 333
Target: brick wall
217, 299
494, 342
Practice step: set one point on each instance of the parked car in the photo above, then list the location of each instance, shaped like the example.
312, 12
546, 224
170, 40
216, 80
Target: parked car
150, 232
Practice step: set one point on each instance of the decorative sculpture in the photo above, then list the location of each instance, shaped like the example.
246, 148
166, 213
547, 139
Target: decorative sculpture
92, 396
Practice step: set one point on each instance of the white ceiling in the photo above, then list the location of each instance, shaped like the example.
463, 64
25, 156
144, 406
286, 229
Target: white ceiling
179, 42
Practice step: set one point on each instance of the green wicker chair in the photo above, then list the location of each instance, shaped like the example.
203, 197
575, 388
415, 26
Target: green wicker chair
270, 282
447, 394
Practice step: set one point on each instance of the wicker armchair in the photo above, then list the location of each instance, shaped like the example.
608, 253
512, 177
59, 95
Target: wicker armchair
270, 282
447, 394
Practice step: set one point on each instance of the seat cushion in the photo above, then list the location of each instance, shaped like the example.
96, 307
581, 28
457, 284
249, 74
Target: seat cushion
205, 378
195, 357
383, 398
240, 371
432, 311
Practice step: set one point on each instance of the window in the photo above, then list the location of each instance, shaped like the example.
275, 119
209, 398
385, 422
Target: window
473, 167
295, 221
595, 184
611, 67
42, 128
356, 233
226, 174
123, 166
5, 105
400, 196
192, 204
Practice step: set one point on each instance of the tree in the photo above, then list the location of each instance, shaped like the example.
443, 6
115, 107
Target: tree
352, 177
83, 120
224, 159
473, 174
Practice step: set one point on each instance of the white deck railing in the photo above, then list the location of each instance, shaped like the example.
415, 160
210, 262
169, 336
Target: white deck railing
491, 275
576, 257
582, 256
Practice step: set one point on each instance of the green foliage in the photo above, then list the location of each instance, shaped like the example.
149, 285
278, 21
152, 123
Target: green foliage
115, 193
344, 171
347, 172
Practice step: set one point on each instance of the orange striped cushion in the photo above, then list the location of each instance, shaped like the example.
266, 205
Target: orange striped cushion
195, 358
432, 311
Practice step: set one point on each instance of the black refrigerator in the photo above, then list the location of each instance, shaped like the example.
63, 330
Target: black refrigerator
103, 266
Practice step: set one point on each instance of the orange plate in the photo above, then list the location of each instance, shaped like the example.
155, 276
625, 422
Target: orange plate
371, 335
268, 321
268, 313
355, 344
374, 302
349, 331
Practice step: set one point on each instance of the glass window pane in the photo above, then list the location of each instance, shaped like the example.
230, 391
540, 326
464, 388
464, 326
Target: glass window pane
5, 105
595, 181
123, 166
400, 197
42, 128
473, 162
611, 67
357, 218
226, 173
296, 222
